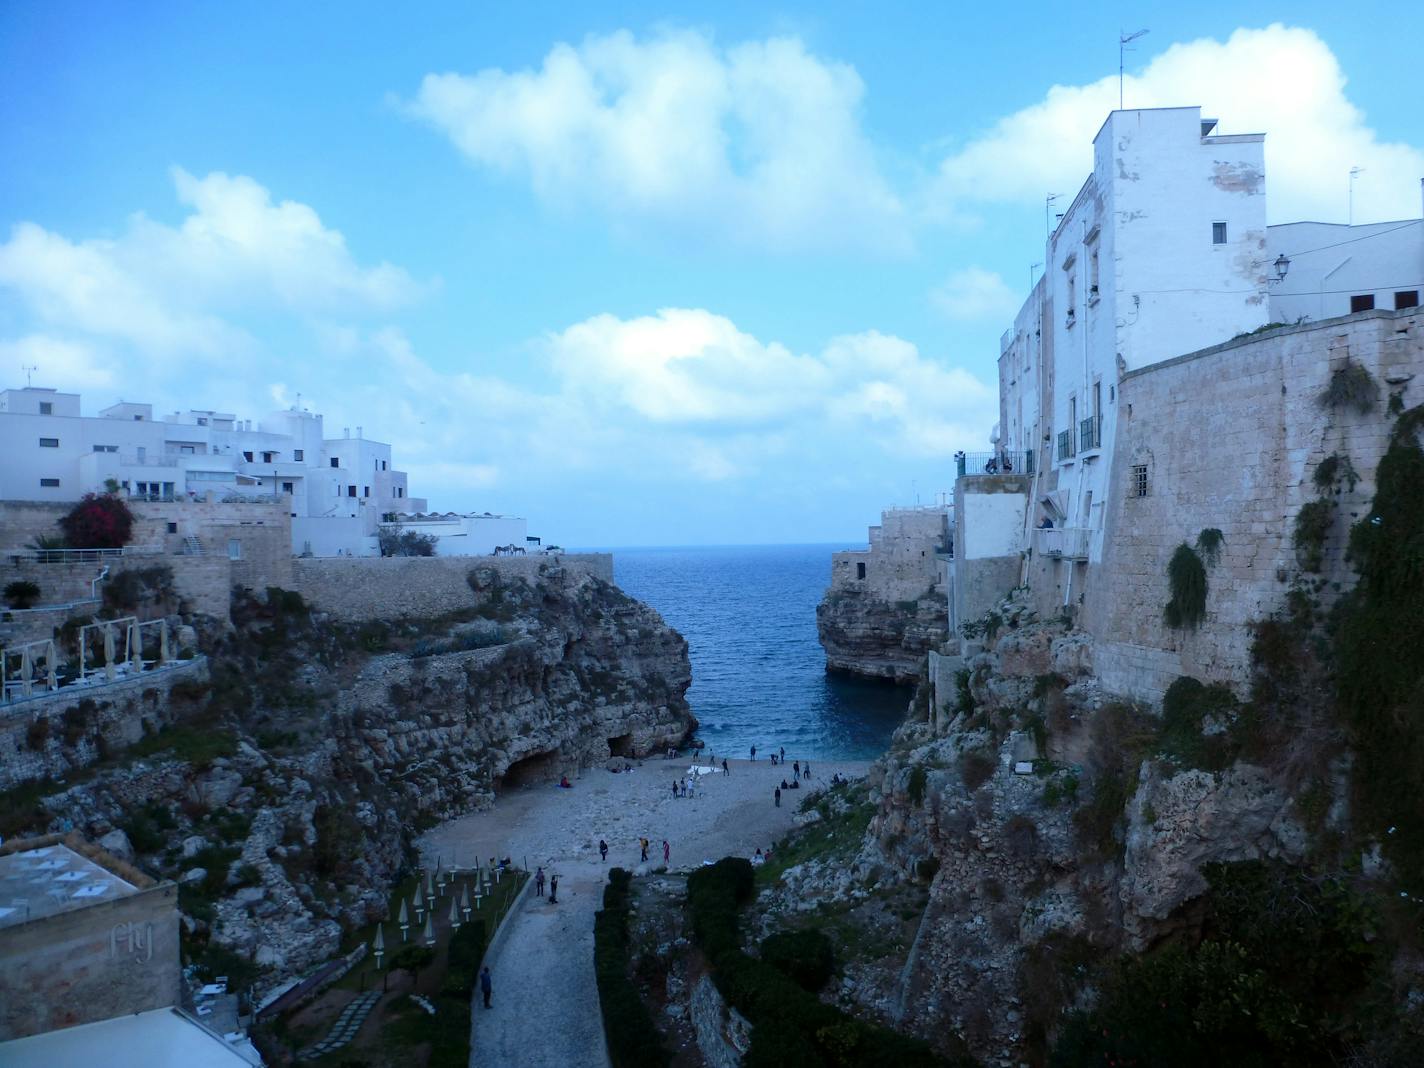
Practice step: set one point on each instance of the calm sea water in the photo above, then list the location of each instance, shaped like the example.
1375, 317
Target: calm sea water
758, 672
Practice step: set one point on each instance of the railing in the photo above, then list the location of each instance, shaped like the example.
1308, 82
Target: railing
983, 463
80, 556
1068, 543
1090, 433
1067, 447
1029, 460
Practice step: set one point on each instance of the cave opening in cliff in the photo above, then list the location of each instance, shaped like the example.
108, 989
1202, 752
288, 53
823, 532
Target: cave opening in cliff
621, 746
527, 771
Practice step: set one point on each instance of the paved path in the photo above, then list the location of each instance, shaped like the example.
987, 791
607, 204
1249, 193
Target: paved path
546, 1012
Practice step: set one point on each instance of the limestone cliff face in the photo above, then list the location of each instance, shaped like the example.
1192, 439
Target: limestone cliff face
336, 743
864, 635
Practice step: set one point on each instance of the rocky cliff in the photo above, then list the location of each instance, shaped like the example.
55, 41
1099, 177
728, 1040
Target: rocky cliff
285, 795
864, 635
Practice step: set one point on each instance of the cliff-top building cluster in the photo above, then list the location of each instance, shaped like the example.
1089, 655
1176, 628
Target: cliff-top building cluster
1165, 377
338, 492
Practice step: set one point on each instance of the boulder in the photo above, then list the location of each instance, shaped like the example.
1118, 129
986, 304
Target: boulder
116, 843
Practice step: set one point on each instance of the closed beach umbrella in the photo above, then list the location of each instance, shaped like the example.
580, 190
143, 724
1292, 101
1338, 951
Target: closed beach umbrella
404, 920
465, 900
136, 645
430, 929
109, 651
454, 913
378, 947
163, 653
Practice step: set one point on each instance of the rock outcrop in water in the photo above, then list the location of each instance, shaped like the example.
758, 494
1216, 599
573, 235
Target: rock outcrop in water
886, 606
285, 797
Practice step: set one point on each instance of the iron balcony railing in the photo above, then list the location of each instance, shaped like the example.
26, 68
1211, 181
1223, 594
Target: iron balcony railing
985, 463
1067, 447
1028, 461
1068, 543
1090, 433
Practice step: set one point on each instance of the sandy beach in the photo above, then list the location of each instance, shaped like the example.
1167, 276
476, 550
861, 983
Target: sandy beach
545, 1002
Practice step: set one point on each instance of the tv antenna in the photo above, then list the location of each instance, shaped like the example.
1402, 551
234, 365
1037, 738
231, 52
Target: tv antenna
1031, 268
1048, 207
28, 372
1123, 40
1353, 172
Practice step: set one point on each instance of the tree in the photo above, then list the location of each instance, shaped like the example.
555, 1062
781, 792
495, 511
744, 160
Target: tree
397, 542
98, 521
21, 594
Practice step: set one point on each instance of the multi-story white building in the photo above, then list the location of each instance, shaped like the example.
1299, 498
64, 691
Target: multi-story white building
339, 490
1333, 269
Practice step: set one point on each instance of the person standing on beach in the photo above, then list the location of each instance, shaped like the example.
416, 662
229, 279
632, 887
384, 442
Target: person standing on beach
796, 769
725, 770
667, 851
778, 797
539, 883
674, 788
486, 987
783, 754
807, 769
603, 850
553, 889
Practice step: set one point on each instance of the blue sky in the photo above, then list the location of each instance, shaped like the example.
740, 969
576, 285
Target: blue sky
716, 274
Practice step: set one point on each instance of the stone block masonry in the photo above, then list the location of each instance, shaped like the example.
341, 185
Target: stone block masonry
1230, 437
362, 587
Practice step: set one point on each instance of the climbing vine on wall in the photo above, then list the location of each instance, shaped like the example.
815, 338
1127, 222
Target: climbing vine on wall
1186, 577
1351, 386
1312, 524
1209, 543
1334, 470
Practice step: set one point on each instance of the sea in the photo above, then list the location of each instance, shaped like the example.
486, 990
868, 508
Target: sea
759, 677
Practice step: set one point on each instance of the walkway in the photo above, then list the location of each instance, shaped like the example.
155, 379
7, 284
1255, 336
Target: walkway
345, 1027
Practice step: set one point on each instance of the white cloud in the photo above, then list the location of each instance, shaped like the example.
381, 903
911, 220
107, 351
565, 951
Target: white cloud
760, 143
167, 289
1281, 81
975, 294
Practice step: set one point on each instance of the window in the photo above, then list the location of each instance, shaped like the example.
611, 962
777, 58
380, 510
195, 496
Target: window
234, 549
383, 465
1139, 481
267, 457
1093, 275
49, 443
46, 408
1072, 298
336, 461
247, 456
106, 448
50, 483
365, 491
186, 450
1409, 298
299, 455
860, 571
350, 491
138, 419
202, 421
400, 491
173, 528
1363, 302
289, 487
1218, 233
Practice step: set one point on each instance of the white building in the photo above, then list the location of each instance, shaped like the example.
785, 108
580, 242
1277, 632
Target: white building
472, 534
1333, 269
339, 489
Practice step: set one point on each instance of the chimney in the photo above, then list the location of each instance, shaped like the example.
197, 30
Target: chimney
346, 432
358, 431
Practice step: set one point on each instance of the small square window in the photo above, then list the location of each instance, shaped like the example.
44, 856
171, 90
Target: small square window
234, 549
49, 443
1363, 302
288, 487
336, 461
50, 483
365, 491
46, 408
1139, 480
247, 456
298, 455
202, 422
350, 491
267, 457
173, 528
1409, 298
1218, 233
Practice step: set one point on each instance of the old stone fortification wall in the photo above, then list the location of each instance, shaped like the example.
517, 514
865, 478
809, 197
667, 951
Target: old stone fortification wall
81, 724
1231, 437
68, 969
204, 583
901, 564
357, 588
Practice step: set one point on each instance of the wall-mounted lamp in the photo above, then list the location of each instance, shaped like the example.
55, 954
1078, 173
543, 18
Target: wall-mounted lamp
1282, 265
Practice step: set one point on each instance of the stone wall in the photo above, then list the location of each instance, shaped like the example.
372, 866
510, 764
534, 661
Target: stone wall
82, 723
988, 542
1231, 437
67, 969
358, 588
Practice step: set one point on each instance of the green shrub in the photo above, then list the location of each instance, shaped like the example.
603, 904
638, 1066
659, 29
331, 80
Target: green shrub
1351, 386
964, 692
976, 767
37, 733
1312, 525
21, 594
805, 956
1334, 469
1185, 706
1209, 543
1186, 578
633, 1038
467, 950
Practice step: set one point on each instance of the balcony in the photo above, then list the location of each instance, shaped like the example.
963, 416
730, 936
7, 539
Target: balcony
984, 463
1067, 446
1066, 543
1090, 433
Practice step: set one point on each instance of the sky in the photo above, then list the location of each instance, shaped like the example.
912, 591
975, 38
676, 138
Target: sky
696, 274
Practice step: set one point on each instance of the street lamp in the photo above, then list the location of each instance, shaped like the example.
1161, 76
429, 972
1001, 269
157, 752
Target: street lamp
1282, 265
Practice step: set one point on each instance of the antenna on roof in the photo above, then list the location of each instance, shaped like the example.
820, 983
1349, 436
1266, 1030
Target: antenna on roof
1047, 207
28, 372
1123, 40
1353, 171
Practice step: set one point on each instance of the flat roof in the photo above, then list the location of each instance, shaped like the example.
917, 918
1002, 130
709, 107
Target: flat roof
52, 879
160, 1038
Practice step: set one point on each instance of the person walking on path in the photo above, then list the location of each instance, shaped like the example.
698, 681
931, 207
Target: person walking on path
674, 788
603, 850
807, 769
667, 851
539, 883
725, 770
643, 845
485, 985
796, 768
778, 797
553, 889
